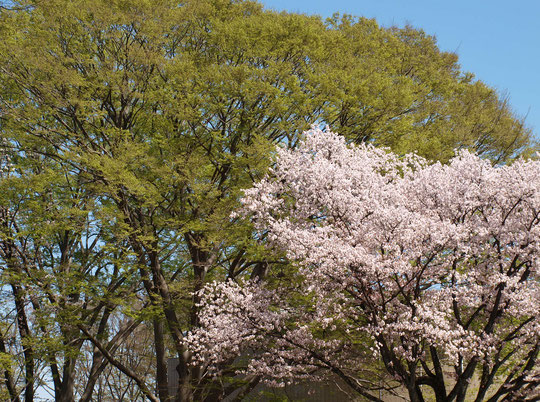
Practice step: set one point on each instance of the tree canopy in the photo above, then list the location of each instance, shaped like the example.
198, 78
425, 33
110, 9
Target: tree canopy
128, 130
431, 268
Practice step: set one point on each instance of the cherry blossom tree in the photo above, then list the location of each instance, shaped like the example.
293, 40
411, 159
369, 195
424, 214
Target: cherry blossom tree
431, 270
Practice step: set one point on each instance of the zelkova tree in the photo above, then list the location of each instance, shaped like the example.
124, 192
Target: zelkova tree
430, 269
61, 275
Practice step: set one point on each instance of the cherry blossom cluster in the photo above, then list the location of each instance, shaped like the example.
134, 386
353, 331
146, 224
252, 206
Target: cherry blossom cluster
5, 159
412, 260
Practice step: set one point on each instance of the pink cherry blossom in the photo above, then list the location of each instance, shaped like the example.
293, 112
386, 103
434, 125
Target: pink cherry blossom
430, 269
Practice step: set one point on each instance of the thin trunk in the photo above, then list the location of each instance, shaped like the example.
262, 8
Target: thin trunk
158, 293
10, 382
53, 366
9, 251
185, 375
24, 331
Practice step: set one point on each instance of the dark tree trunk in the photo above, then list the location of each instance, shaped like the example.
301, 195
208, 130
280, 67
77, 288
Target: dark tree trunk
24, 331
161, 361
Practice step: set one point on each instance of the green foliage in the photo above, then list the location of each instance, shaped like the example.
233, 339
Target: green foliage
396, 88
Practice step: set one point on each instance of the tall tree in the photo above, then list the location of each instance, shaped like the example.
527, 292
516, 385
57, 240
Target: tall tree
158, 113
432, 268
59, 272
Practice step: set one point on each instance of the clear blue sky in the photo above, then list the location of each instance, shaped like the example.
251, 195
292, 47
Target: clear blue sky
498, 41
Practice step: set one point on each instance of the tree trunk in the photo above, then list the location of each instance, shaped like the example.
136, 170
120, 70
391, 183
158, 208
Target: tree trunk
9, 381
161, 361
24, 331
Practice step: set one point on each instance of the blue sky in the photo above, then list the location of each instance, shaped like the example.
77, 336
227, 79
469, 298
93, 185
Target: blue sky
498, 41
